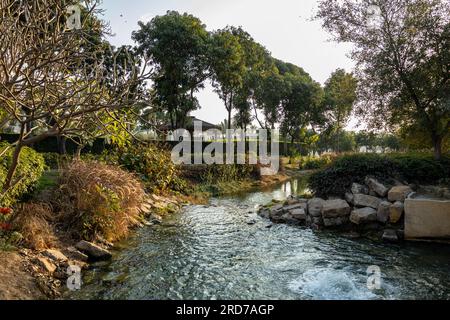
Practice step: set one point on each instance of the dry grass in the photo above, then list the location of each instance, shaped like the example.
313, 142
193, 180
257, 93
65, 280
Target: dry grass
96, 199
32, 221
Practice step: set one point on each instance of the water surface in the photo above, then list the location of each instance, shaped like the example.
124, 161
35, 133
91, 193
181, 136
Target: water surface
225, 251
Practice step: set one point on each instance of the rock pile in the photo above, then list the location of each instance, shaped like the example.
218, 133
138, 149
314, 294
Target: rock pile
369, 206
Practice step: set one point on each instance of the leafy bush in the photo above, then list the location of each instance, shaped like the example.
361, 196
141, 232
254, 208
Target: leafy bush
313, 163
29, 170
422, 167
96, 199
337, 178
154, 166
218, 173
54, 160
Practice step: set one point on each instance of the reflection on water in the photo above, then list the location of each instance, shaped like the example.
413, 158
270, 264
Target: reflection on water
219, 252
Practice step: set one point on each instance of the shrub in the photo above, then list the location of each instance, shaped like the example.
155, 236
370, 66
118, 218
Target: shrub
54, 160
219, 173
31, 220
154, 166
313, 163
96, 199
422, 167
337, 178
29, 170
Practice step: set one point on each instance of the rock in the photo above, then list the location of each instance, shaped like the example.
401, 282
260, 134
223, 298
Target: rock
298, 214
303, 206
293, 200
359, 189
276, 211
335, 222
383, 211
315, 207
396, 212
390, 236
251, 222
335, 208
55, 255
77, 255
363, 215
399, 193
264, 213
349, 197
46, 265
93, 251
377, 187
362, 200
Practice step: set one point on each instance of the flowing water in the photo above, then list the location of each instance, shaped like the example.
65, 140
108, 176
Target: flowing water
225, 251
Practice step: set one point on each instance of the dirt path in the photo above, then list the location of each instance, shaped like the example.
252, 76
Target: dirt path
15, 282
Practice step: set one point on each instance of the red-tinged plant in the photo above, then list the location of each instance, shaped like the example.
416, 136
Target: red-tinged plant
5, 226
5, 211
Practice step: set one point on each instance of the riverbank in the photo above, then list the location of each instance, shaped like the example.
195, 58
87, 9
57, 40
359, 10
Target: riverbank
41, 274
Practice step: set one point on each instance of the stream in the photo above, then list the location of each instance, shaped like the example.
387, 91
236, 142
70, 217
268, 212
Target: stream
225, 251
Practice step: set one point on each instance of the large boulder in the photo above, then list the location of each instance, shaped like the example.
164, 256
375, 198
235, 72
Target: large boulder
276, 211
359, 189
298, 214
383, 211
362, 200
363, 216
377, 187
335, 208
399, 193
300, 205
315, 207
349, 197
93, 251
396, 211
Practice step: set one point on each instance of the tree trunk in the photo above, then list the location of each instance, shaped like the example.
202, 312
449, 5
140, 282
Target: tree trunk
78, 151
61, 141
437, 145
12, 168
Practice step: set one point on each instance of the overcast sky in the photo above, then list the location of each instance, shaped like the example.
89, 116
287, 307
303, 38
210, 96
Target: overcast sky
284, 27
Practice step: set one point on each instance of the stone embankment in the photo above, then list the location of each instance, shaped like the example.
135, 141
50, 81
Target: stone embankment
51, 268
369, 207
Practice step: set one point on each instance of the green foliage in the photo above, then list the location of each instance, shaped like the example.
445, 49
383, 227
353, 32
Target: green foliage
30, 168
178, 44
422, 167
312, 163
337, 178
218, 173
154, 166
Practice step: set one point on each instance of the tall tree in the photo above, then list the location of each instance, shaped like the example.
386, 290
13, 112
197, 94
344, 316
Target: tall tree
178, 46
228, 65
340, 95
403, 60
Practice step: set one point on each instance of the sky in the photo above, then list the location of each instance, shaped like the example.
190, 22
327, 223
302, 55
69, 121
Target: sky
284, 27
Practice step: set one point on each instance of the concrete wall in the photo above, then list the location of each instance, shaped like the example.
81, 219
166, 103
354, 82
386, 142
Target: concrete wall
427, 218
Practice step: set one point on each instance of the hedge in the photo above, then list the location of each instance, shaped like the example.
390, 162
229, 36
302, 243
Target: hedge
337, 178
